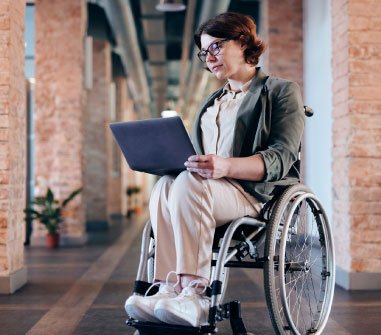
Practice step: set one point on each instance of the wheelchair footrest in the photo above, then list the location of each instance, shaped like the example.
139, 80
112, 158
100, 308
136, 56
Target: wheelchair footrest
153, 328
232, 311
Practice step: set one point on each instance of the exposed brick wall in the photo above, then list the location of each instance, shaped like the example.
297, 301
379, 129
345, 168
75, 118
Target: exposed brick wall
263, 32
60, 28
115, 181
282, 30
97, 116
127, 115
356, 33
12, 136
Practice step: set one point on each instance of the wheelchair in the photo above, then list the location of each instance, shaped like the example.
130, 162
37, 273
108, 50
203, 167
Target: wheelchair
291, 241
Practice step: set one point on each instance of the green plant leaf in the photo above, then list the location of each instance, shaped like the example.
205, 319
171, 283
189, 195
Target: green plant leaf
129, 191
31, 211
49, 195
71, 196
39, 201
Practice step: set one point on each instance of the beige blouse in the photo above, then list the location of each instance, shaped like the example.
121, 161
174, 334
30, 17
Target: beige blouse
217, 125
218, 121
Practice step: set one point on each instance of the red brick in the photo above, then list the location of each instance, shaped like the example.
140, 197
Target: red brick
4, 192
364, 66
340, 96
285, 31
360, 93
365, 172
4, 135
363, 121
364, 8
4, 177
364, 37
340, 138
367, 221
365, 150
366, 250
365, 265
365, 23
340, 84
365, 79
339, 6
365, 107
366, 236
4, 121
365, 207
341, 69
340, 110
366, 136
4, 163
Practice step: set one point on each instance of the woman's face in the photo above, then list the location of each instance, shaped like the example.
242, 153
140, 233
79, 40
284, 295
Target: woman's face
227, 64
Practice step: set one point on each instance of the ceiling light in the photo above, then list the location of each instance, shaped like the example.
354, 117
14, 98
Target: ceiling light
168, 113
170, 6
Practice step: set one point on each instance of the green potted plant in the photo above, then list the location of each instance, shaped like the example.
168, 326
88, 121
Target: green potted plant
48, 212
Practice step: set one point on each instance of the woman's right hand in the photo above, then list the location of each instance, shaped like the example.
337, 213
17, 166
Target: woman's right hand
208, 166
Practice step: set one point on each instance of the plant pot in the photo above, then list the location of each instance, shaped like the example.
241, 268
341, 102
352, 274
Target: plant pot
52, 240
138, 210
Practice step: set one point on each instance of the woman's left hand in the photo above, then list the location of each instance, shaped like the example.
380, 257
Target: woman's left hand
208, 166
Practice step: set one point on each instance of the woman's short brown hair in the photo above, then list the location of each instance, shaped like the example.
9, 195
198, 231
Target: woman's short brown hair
235, 26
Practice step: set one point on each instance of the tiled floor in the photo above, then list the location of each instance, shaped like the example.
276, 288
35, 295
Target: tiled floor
82, 290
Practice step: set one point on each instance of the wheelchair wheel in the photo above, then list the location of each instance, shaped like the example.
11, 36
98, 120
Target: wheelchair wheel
299, 276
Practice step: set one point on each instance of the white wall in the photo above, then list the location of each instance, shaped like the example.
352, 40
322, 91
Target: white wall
317, 95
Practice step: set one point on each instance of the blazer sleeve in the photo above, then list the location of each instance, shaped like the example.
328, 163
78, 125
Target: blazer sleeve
287, 125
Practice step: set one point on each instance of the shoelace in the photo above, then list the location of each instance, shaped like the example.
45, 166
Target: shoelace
193, 284
166, 282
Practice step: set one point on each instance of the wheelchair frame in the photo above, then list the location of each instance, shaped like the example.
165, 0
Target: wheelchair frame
291, 255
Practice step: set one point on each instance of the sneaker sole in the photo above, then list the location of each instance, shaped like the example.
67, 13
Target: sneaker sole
173, 319
140, 315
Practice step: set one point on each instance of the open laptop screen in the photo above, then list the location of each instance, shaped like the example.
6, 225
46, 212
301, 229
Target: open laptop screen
156, 146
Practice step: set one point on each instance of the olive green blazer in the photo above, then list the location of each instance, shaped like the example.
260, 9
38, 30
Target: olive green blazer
270, 122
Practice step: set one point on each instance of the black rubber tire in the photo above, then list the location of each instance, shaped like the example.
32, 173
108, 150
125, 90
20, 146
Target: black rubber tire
278, 216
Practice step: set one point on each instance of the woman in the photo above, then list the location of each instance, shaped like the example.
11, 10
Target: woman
246, 136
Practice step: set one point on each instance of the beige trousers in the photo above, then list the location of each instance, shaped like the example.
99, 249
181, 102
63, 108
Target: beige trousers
184, 213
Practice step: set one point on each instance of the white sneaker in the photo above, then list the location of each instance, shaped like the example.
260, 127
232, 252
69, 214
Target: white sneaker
142, 308
189, 308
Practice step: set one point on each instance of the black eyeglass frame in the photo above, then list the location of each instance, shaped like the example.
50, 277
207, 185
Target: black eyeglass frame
218, 49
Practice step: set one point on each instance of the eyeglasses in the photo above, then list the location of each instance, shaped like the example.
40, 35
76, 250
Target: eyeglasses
214, 49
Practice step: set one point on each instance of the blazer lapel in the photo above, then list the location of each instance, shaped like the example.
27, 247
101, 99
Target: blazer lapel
248, 111
244, 115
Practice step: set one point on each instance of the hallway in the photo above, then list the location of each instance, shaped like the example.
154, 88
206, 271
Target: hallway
81, 290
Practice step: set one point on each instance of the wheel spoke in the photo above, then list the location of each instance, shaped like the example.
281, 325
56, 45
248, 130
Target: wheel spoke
302, 295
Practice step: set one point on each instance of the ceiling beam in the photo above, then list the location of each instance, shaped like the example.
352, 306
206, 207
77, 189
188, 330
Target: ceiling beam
209, 9
189, 19
123, 24
155, 41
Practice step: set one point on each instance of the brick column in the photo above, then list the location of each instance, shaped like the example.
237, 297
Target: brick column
356, 38
97, 117
282, 30
115, 189
12, 145
59, 99
128, 114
